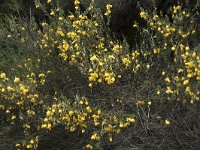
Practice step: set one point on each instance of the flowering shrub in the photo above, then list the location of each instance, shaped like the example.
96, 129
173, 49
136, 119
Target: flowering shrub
38, 90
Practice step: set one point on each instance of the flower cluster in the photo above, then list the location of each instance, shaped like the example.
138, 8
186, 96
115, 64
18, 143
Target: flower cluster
100, 58
175, 38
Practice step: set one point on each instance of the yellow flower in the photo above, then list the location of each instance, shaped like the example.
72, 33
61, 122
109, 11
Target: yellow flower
95, 137
148, 66
52, 13
173, 48
149, 103
60, 18
169, 90
99, 112
94, 58
27, 126
48, 126
89, 109
90, 85
138, 66
44, 126
110, 139
187, 48
163, 73
108, 10
130, 119
76, 2
81, 102
9, 89
110, 80
16, 80
3, 75
45, 120
13, 117
158, 92
88, 146
37, 5
180, 70
188, 89
121, 125
155, 17
48, 1
60, 32
167, 122
48, 113
117, 48
71, 112
189, 75
93, 76
185, 82
7, 111
41, 75
143, 15
108, 6
29, 146
31, 141
3, 90
167, 80
140, 102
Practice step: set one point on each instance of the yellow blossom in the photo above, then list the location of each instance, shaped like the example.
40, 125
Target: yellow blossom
59, 31
167, 122
76, 2
16, 80
41, 75
37, 5
187, 48
88, 146
94, 58
143, 15
13, 117
29, 146
130, 119
148, 66
7, 111
95, 137
48, 113
3, 90
52, 13
93, 76
167, 80
169, 90
185, 82
48, 126
3, 75
180, 70
158, 92
71, 112
32, 142
89, 109
108, 10
9, 89
163, 73
110, 138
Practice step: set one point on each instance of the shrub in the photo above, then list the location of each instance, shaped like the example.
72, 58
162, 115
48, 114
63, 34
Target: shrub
72, 73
